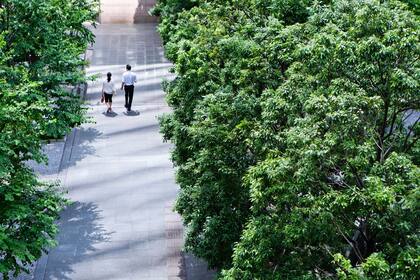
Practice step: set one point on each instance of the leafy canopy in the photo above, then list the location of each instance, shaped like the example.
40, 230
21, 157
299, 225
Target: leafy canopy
41, 48
295, 126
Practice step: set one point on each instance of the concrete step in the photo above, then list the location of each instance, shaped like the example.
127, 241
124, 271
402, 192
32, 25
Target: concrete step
126, 11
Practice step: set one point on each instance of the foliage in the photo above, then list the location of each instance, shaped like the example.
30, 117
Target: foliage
345, 180
414, 5
54, 56
168, 11
227, 71
41, 43
295, 126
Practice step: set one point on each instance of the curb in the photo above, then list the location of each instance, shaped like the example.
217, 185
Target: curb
41, 264
69, 141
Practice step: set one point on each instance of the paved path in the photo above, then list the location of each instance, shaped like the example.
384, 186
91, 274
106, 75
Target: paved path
118, 173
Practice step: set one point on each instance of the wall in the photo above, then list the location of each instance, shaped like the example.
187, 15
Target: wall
126, 11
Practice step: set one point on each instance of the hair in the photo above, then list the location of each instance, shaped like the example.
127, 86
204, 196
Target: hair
128, 67
109, 75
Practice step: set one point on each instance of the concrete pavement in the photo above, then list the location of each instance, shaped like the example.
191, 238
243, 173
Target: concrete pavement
118, 173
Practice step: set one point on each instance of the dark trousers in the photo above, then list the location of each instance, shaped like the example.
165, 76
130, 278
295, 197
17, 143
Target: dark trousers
129, 92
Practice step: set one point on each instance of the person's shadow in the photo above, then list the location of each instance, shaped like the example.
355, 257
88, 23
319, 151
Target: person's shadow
132, 113
110, 114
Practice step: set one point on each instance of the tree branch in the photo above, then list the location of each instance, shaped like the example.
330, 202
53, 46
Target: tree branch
356, 174
349, 241
382, 128
410, 130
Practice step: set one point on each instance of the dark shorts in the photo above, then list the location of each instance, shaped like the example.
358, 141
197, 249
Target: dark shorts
108, 97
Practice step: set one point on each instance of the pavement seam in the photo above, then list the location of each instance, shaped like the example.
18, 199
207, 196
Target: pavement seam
174, 231
41, 265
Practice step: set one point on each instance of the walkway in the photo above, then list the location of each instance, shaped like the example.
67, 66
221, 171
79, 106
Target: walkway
118, 173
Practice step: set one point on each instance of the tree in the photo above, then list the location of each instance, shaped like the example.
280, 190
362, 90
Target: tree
40, 47
224, 62
27, 207
339, 196
168, 11
293, 149
50, 38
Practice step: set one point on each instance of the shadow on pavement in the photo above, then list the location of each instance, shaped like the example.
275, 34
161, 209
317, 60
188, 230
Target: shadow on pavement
132, 113
110, 115
197, 269
80, 230
79, 146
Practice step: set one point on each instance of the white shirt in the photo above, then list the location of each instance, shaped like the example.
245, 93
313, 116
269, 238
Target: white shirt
108, 87
129, 78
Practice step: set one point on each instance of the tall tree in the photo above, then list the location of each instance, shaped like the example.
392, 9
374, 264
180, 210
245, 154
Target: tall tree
27, 207
41, 43
224, 61
295, 131
169, 12
338, 197
49, 38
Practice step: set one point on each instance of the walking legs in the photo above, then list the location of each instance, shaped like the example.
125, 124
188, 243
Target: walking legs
129, 92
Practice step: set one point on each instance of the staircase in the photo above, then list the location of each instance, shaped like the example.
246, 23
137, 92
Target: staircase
126, 11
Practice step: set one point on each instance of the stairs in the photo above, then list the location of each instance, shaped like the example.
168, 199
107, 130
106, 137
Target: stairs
126, 11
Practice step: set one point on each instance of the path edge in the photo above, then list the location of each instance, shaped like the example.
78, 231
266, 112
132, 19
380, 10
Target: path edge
69, 140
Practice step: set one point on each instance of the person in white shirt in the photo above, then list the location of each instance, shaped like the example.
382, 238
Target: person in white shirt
128, 81
108, 90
